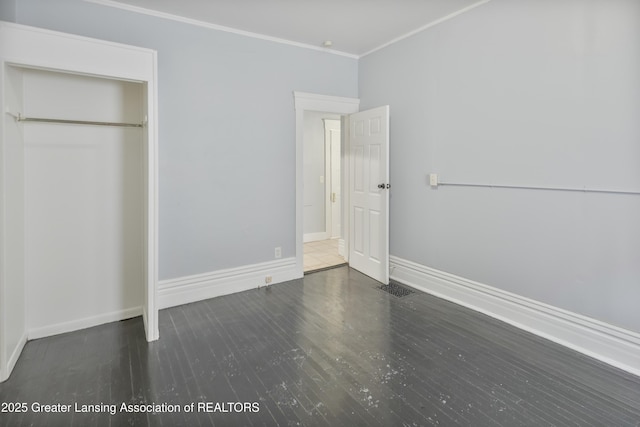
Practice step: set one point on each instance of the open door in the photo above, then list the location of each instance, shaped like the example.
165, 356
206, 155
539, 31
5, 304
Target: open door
369, 193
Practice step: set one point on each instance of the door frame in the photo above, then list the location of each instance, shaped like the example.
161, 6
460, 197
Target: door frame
305, 101
328, 177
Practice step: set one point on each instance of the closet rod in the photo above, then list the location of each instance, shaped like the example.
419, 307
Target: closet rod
20, 118
521, 187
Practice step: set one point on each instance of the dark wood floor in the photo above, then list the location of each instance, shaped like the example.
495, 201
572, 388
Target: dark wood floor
329, 350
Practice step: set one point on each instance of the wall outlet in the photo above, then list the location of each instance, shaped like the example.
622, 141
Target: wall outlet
433, 179
278, 252
267, 279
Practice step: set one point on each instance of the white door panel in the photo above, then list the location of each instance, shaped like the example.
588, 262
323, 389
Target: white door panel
358, 229
369, 203
374, 235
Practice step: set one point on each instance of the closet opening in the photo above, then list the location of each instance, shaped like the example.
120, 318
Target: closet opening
83, 194
78, 186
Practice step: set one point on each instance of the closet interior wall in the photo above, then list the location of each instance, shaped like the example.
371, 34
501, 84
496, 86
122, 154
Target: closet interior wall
83, 200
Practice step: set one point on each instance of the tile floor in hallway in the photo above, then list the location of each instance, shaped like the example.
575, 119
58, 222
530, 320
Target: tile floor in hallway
321, 254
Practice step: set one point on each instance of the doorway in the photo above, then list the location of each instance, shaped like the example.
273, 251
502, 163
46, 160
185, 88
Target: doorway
322, 190
366, 223
338, 106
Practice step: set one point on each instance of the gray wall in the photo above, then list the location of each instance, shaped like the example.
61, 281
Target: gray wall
227, 130
533, 92
540, 93
8, 10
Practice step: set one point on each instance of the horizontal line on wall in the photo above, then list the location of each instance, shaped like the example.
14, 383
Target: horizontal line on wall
529, 187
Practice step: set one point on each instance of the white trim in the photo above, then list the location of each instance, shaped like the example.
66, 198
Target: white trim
305, 101
345, 173
151, 323
92, 64
342, 249
328, 181
184, 290
329, 185
209, 25
425, 27
13, 359
314, 237
75, 37
607, 343
325, 103
87, 322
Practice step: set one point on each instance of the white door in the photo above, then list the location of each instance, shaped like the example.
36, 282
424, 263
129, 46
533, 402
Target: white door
369, 193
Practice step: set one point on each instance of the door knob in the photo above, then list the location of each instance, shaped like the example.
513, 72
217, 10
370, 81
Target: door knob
383, 186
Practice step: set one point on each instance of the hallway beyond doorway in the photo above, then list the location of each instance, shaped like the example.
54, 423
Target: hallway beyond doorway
321, 254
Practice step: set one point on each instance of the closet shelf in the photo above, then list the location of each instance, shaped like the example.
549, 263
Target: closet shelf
21, 118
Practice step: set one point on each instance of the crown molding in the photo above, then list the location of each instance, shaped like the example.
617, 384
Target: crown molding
425, 27
198, 23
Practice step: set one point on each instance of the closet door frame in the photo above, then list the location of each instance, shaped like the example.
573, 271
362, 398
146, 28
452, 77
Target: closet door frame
28, 47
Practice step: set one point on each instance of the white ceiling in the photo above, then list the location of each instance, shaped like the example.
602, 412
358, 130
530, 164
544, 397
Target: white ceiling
355, 27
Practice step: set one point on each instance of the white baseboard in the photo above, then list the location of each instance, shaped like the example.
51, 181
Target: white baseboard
610, 344
87, 322
199, 287
342, 248
314, 237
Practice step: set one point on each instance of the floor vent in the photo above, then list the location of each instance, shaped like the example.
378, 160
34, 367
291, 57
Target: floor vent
396, 290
